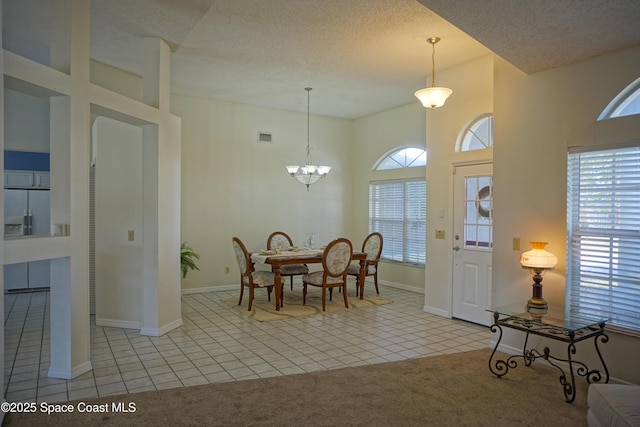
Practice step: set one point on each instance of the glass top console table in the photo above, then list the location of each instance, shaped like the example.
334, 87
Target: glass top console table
556, 326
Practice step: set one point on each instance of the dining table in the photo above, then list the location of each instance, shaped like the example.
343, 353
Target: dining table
276, 259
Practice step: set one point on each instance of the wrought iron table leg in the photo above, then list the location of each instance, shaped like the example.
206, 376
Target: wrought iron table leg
569, 389
595, 375
501, 367
528, 355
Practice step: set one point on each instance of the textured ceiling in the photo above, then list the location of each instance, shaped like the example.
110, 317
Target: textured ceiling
543, 34
360, 56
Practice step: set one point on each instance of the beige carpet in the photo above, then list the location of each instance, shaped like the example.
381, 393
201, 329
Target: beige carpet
265, 311
451, 390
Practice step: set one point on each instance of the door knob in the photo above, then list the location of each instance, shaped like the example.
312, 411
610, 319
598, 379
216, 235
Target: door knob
456, 248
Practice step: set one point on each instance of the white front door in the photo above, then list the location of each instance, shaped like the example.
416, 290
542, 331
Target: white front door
472, 242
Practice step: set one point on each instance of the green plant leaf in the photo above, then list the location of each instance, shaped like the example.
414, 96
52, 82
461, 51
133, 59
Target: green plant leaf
187, 256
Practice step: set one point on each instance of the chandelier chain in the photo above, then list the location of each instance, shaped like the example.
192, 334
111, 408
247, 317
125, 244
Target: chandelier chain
308, 89
308, 173
433, 65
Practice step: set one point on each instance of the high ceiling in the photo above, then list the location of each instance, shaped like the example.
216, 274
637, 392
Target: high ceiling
360, 56
543, 34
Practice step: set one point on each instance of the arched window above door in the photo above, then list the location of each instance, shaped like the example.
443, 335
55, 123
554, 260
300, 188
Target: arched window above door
627, 103
407, 157
477, 134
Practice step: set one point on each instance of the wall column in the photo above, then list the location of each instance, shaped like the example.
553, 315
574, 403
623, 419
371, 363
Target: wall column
161, 295
70, 328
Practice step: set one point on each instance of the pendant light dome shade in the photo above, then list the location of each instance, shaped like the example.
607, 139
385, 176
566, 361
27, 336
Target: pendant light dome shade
434, 96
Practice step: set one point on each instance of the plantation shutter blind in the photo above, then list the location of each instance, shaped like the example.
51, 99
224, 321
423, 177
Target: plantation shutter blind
415, 221
397, 210
603, 240
385, 217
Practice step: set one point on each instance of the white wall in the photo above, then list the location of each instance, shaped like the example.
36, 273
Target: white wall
537, 118
375, 136
234, 186
471, 96
118, 204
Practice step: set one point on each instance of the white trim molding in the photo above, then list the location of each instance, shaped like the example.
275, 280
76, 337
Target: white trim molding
152, 332
70, 374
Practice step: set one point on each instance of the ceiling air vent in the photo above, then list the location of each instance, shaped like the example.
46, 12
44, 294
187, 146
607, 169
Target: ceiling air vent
264, 138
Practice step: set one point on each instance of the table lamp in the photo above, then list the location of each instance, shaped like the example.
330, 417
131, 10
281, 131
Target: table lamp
538, 261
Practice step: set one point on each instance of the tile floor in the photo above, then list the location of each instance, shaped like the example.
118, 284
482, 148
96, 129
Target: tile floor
217, 344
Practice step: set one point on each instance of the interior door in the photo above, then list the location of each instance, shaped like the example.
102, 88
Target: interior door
472, 243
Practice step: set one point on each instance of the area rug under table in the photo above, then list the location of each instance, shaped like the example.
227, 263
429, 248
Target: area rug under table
265, 311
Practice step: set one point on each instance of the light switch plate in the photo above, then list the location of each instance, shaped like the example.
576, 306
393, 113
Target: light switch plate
516, 243
131, 236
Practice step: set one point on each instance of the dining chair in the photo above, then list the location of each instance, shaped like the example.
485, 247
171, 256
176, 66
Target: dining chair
281, 241
248, 276
335, 262
372, 246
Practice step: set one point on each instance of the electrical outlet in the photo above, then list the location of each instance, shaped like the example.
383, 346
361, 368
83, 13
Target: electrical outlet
226, 270
516, 243
131, 236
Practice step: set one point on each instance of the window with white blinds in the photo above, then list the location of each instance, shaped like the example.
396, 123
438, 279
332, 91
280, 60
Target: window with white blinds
603, 241
397, 210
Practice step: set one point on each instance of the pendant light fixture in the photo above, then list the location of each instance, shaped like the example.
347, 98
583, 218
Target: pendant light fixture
433, 97
308, 173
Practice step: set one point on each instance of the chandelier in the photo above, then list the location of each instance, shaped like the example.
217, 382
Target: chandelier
308, 173
433, 97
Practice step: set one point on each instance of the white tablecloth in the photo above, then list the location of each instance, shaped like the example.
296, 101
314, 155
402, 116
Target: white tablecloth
261, 257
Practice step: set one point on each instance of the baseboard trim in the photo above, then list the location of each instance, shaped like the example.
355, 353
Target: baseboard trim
436, 311
156, 332
188, 291
401, 286
234, 287
113, 323
67, 374
507, 349
153, 332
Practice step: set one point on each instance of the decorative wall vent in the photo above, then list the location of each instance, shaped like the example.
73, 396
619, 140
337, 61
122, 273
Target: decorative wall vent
264, 137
